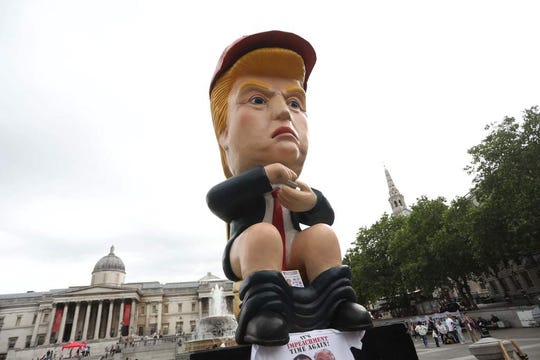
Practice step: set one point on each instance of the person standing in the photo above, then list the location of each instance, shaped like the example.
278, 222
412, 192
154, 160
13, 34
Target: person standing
422, 330
471, 327
442, 330
459, 331
451, 328
412, 331
435, 334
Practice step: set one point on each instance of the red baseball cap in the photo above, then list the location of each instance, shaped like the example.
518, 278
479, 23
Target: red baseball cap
268, 39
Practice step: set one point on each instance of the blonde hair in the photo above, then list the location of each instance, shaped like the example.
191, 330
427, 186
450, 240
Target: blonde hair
276, 62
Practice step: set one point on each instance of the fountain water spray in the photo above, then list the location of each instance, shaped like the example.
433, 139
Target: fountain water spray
218, 306
217, 328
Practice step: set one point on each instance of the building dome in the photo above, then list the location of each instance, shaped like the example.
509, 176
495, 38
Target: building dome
110, 262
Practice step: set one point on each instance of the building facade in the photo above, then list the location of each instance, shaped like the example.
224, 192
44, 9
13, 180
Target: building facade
516, 281
107, 309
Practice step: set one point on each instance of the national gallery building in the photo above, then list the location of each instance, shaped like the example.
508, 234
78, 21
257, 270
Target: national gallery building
107, 309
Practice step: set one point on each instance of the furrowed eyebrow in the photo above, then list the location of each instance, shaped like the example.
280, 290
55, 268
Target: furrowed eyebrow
298, 92
295, 90
255, 85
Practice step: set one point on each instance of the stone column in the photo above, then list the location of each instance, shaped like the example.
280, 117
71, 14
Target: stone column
86, 320
63, 323
109, 320
158, 325
75, 320
147, 319
121, 318
199, 303
36, 325
98, 320
132, 317
49, 327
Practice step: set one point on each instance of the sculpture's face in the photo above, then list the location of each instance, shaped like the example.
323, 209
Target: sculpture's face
267, 124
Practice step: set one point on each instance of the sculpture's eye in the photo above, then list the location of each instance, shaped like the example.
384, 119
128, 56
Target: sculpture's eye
294, 104
257, 100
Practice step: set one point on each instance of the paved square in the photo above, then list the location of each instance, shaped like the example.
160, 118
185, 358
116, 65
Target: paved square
528, 339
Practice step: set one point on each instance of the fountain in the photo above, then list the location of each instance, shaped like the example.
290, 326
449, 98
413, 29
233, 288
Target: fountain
215, 330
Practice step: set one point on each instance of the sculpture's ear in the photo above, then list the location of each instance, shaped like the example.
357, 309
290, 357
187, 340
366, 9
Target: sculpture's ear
224, 139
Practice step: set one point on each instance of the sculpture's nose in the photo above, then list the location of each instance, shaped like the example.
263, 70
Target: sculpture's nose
280, 109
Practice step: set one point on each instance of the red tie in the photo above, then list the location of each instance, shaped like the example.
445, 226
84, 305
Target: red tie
277, 221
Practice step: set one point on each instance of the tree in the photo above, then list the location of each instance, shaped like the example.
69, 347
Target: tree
452, 246
375, 271
400, 255
506, 169
428, 250
439, 246
420, 262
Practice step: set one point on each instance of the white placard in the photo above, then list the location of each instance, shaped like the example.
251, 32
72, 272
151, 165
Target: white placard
313, 345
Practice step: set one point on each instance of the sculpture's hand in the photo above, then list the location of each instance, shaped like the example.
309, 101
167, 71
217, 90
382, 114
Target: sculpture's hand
297, 200
278, 174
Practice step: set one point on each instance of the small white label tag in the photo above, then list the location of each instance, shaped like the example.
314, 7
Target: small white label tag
293, 278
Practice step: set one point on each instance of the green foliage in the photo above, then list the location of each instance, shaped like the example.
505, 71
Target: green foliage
452, 243
440, 245
506, 166
398, 255
427, 250
413, 245
375, 270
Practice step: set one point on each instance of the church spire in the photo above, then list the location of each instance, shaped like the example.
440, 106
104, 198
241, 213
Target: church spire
396, 200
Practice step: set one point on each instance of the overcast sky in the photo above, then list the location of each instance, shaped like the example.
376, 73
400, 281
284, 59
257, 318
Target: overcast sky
106, 137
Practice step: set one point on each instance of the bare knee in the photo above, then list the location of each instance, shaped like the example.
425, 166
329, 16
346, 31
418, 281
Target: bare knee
323, 231
259, 247
315, 250
320, 238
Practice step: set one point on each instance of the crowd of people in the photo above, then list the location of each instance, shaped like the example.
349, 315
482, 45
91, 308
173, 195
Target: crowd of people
450, 329
76, 353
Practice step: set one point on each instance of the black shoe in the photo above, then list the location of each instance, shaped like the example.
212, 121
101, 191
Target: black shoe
350, 316
267, 328
265, 311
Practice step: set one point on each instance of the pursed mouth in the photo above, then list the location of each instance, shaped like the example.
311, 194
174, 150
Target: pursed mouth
284, 130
